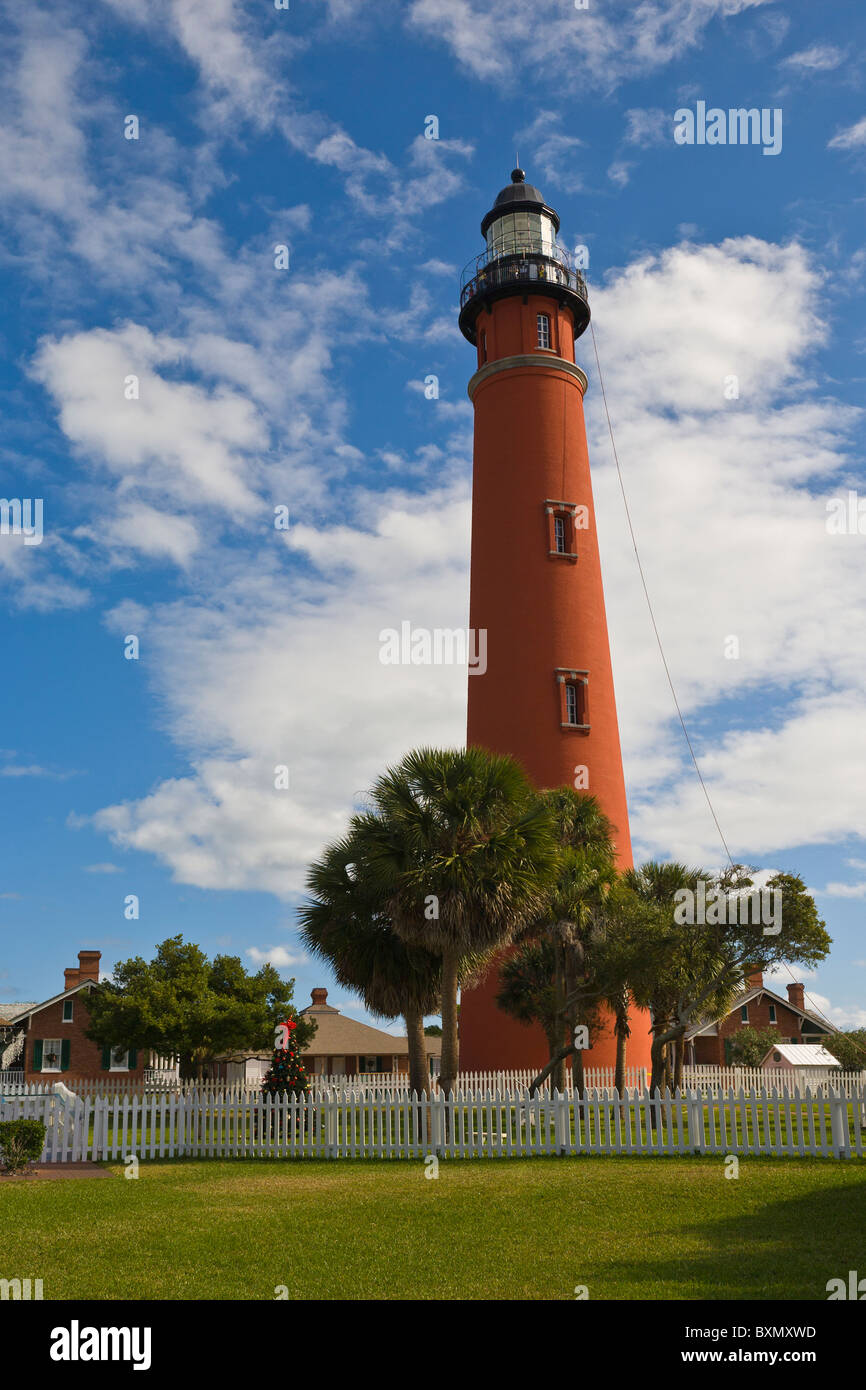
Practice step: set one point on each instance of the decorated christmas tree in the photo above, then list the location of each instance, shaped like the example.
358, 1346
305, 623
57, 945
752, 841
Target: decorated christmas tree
286, 1075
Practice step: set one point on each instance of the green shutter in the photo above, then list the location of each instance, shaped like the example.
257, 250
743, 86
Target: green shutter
133, 1058
379, 1066
65, 1049
37, 1054
106, 1059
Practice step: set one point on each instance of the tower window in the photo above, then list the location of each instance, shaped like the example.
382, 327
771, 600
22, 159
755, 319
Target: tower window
561, 529
483, 347
574, 702
543, 330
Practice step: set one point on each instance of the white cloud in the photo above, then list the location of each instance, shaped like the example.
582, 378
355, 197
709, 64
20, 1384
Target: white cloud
553, 156
177, 439
620, 172
851, 138
104, 868
728, 500
279, 957
819, 57
493, 39
250, 683
846, 890
648, 126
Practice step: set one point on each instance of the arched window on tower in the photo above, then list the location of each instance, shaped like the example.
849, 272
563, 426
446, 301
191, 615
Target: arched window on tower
561, 529
574, 699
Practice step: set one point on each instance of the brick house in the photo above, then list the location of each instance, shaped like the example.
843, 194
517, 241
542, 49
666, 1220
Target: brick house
709, 1043
55, 1046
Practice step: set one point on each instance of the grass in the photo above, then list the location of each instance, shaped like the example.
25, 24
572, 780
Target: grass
626, 1228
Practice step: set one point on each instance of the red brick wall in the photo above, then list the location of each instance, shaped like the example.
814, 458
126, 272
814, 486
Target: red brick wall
85, 1059
711, 1051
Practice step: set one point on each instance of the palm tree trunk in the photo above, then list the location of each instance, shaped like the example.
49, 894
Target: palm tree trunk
621, 1027
554, 1047
419, 1072
450, 1043
577, 1073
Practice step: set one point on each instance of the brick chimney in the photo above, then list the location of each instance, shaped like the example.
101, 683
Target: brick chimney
70, 977
755, 979
88, 966
795, 996
318, 996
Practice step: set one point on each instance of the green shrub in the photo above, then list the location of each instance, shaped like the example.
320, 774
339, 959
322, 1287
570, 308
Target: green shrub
21, 1142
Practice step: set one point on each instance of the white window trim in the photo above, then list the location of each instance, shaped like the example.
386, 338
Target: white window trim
542, 326
47, 1047
117, 1066
71, 1018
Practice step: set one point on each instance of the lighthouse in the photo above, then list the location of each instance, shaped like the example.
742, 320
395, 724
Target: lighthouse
546, 695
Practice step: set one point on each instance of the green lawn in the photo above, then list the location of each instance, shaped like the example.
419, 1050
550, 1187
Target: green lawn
488, 1228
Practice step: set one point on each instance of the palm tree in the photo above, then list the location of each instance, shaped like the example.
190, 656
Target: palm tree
654, 886
344, 926
585, 871
459, 851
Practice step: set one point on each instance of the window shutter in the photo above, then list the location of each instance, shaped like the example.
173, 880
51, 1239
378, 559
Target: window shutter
106, 1059
133, 1058
37, 1054
379, 1066
65, 1050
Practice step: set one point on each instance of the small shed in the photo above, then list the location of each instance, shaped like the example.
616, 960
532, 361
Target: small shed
810, 1062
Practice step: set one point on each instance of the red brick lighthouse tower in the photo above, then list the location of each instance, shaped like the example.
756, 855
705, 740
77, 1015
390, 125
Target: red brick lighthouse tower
547, 694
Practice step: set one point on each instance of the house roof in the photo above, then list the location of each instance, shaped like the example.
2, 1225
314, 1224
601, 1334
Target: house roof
706, 1025
803, 1055
338, 1036
9, 1012
27, 1010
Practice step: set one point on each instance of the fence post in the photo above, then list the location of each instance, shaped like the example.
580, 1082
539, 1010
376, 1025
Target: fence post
839, 1124
695, 1112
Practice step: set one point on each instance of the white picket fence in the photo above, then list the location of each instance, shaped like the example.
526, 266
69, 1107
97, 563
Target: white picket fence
461, 1125
708, 1081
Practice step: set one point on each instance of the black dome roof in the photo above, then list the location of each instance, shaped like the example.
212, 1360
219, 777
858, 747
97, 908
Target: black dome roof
518, 195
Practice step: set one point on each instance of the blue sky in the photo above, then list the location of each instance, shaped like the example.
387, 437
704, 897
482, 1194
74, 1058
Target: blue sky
303, 388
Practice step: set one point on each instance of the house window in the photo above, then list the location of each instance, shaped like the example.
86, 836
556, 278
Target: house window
52, 1051
543, 331
119, 1059
67, 1010
371, 1063
574, 704
744, 1014
772, 1013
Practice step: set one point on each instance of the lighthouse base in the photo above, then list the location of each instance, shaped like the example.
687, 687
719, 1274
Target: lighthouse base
491, 1040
